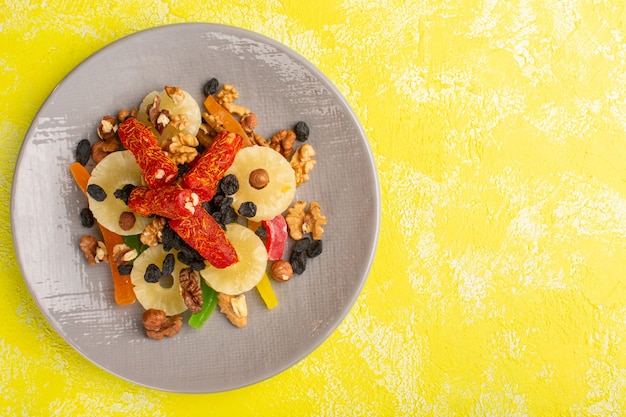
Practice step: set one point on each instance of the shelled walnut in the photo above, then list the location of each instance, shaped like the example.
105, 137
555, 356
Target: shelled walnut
303, 163
159, 325
234, 308
181, 148
300, 221
191, 290
283, 141
151, 234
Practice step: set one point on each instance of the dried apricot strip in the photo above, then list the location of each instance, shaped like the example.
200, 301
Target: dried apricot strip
122, 285
171, 201
228, 120
204, 234
158, 169
206, 173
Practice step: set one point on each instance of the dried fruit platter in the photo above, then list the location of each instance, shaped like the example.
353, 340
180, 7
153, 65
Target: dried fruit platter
77, 299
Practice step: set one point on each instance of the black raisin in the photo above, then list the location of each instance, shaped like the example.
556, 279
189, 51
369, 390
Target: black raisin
215, 204
183, 169
83, 151
229, 215
125, 269
301, 129
211, 87
298, 262
168, 264
170, 238
96, 192
229, 184
314, 249
195, 264
86, 217
261, 231
189, 251
153, 274
226, 203
302, 245
247, 209
124, 192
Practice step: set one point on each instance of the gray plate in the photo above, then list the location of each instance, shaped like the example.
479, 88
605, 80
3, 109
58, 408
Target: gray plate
281, 87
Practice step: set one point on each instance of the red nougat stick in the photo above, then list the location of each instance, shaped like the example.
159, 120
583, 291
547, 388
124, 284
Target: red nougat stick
158, 169
202, 233
171, 201
213, 164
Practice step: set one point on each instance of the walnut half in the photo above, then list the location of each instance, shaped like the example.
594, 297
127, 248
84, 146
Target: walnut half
300, 221
234, 308
302, 163
191, 290
158, 325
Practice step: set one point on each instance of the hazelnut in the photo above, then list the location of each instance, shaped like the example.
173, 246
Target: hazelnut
125, 114
259, 178
153, 319
97, 151
249, 122
281, 270
127, 220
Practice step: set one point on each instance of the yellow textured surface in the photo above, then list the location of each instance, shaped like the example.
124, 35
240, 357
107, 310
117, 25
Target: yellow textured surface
499, 132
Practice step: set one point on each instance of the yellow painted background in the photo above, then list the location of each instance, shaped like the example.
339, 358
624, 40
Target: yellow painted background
499, 132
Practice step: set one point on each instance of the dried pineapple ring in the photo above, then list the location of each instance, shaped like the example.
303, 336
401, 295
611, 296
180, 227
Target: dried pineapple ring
112, 173
187, 106
157, 295
276, 196
245, 274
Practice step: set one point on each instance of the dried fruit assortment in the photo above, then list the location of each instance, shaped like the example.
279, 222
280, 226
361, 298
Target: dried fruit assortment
196, 208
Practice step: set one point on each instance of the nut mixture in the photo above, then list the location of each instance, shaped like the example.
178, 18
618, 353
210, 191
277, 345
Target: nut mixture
182, 149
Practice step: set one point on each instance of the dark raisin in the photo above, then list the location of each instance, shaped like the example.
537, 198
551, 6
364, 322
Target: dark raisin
211, 87
125, 269
183, 169
314, 249
83, 151
195, 264
226, 203
247, 209
168, 264
297, 260
215, 204
261, 231
229, 215
96, 192
301, 129
86, 217
124, 192
170, 238
302, 245
153, 274
229, 184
